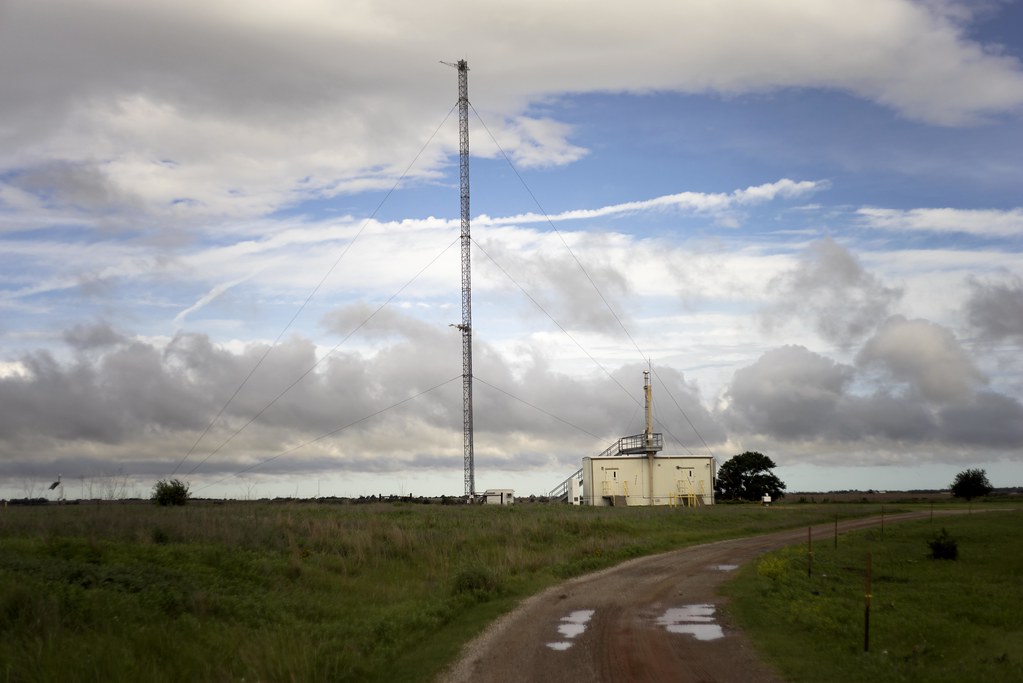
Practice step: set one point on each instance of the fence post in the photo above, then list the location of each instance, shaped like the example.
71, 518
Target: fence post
809, 553
866, 611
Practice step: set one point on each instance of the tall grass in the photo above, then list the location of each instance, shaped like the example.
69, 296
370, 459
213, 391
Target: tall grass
931, 620
304, 592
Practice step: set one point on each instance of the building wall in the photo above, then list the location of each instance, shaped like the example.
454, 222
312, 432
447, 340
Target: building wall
630, 477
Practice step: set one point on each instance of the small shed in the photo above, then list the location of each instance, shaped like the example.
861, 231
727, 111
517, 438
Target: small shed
499, 496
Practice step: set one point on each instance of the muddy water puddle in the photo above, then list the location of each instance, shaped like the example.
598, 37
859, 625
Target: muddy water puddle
693, 620
571, 627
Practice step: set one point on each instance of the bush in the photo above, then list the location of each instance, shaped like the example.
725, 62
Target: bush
772, 567
479, 581
171, 492
944, 547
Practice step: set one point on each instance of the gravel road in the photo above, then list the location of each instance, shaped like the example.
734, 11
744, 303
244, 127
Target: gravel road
651, 619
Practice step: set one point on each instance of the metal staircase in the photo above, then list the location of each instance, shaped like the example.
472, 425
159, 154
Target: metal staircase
686, 495
560, 492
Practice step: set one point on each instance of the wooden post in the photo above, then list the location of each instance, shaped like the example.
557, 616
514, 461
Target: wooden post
809, 552
866, 611
882, 522
836, 532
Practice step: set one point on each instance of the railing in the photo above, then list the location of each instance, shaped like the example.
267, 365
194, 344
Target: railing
686, 494
639, 443
561, 490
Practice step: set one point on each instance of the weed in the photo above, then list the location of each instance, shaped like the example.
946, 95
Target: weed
479, 581
943, 546
773, 567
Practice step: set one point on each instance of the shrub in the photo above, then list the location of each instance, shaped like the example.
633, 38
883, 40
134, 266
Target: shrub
944, 547
478, 581
772, 567
170, 492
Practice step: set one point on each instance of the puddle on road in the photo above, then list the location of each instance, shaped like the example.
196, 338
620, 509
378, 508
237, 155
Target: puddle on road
726, 567
693, 620
572, 626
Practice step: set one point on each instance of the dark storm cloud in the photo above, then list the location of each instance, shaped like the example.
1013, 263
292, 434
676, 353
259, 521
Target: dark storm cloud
995, 308
830, 288
989, 419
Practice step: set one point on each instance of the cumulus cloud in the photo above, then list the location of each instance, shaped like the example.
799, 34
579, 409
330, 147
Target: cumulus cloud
93, 336
191, 109
829, 287
926, 357
396, 405
789, 392
995, 308
987, 419
927, 403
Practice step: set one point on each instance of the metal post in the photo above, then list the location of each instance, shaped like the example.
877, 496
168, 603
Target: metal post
648, 435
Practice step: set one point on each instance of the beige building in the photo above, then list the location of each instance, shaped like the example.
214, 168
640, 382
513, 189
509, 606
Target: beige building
641, 480
631, 472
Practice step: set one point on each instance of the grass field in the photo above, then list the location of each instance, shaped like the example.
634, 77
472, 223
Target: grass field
930, 620
304, 591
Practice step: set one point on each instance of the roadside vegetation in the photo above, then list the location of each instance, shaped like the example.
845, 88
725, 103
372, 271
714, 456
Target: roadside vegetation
305, 591
945, 603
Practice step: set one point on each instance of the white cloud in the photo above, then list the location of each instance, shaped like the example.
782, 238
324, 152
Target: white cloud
696, 202
830, 288
983, 222
194, 109
926, 356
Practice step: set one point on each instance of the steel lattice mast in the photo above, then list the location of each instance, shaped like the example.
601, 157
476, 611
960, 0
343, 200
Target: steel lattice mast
466, 326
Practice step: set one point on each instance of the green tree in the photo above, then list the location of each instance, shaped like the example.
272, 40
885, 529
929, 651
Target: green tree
170, 492
970, 484
748, 476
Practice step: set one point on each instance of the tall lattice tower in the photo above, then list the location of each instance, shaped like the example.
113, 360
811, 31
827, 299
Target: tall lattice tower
466, 325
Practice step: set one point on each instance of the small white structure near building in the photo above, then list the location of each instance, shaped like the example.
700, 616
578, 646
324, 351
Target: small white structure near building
499, 496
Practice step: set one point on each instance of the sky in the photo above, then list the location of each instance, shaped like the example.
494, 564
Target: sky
229, 241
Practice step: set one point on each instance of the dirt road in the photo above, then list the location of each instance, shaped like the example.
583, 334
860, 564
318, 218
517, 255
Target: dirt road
649, 619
